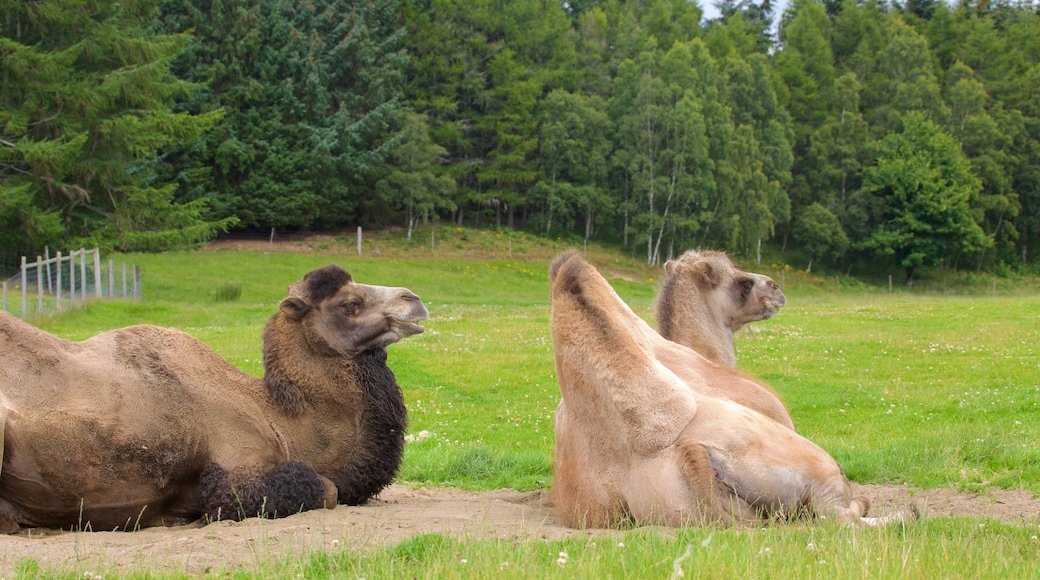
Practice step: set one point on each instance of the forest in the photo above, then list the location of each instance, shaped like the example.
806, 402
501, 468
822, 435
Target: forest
904, 134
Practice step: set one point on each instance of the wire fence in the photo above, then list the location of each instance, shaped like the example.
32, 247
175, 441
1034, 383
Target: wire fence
52, 284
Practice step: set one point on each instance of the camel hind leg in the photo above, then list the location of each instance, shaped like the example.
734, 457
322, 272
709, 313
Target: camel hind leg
855, 514
717, 501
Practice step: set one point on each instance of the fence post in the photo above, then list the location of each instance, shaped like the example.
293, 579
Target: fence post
39, 285
137, 282
25, 297
5, 295
124, 279
83, 274
97, 273
57, 282
72, 279
47, 254
359, 240
111, 287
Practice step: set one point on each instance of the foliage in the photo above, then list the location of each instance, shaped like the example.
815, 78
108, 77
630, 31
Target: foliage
819, 231
85, 118
633, 122
414, 181
927, 190
311, 97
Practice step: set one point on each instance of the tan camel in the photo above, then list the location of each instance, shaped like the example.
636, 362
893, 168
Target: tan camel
705, 299
635, 442
146, 426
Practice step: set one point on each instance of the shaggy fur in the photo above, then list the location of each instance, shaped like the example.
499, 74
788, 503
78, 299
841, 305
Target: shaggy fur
146, 426
637, 442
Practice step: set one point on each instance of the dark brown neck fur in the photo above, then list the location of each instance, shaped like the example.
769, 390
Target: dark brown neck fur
290, 374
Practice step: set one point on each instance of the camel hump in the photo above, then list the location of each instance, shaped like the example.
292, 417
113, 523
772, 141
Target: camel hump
604, 351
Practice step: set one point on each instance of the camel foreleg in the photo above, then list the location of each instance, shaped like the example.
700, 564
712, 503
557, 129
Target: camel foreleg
280, 491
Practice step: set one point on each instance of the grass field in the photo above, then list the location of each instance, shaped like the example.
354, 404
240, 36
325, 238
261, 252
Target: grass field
922, 388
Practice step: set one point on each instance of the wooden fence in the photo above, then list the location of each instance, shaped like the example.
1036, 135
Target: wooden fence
62, 282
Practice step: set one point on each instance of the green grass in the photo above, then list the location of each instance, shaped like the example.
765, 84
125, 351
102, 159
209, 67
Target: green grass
921, 387
930, 549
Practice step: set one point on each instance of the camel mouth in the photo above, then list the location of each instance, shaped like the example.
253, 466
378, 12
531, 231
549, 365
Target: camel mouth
409, 327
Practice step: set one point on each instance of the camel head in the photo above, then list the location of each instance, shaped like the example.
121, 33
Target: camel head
734, 296
343, 317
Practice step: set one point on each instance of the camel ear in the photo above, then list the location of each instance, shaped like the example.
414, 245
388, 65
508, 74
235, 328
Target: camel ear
294, 307
707, 273
670, 267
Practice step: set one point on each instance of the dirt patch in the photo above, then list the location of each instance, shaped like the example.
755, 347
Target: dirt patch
398, 513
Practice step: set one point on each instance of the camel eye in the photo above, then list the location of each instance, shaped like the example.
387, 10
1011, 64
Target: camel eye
746, 285
351, 308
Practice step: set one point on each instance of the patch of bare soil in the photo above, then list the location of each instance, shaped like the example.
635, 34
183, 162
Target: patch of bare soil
397, 514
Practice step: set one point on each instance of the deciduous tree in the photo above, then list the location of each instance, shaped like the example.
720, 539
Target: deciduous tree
928, 192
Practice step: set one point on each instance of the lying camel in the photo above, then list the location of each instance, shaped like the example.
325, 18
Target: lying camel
145, 426
704, 300
635, 442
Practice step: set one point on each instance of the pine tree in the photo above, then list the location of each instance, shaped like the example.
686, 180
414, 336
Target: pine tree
311, 94
85, 117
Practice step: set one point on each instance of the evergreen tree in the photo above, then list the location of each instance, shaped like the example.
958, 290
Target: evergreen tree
311, 93
451, 42
509, 126
85, 115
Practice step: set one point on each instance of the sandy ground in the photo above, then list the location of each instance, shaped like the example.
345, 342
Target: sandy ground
398, 513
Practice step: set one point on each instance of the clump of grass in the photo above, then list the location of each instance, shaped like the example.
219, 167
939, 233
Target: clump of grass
228, 292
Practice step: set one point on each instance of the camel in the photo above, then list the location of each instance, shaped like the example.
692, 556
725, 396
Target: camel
705, 299
638, 443
144, 426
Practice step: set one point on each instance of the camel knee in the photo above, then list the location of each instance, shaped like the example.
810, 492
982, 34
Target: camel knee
716, 501
283, 490
861, 505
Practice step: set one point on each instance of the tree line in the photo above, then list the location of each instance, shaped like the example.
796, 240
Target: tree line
902, 132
